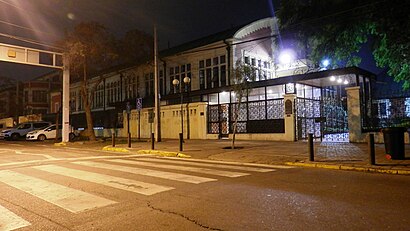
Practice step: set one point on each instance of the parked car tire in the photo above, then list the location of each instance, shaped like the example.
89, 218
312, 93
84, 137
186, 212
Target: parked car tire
41, 137
15, 136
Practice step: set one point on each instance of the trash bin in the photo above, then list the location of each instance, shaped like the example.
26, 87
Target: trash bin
394, 142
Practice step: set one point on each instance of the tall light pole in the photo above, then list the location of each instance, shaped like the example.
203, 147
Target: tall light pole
176, 82
157, 119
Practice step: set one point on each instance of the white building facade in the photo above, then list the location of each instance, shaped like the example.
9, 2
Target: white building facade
272, 110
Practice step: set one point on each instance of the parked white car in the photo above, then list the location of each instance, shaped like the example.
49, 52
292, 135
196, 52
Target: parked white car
48, 133
22, 129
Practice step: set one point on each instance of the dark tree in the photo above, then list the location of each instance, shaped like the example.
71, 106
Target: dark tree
337, 29
90, 47
136, 47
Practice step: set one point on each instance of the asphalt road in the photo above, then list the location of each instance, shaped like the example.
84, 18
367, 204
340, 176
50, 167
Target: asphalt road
52, 188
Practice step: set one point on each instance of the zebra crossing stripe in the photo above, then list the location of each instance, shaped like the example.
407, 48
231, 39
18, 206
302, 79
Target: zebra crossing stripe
148, 172
182, 168
10, 221
244, 168
67, 198
268, 166
111, 181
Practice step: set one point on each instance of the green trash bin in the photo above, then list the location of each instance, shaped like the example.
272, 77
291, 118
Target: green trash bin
394, 142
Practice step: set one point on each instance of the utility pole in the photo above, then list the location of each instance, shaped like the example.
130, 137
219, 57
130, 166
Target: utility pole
157, 120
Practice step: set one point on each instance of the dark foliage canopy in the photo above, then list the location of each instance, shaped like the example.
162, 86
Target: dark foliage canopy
337, 30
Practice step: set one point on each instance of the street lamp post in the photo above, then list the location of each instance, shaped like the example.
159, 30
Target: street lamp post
176, 82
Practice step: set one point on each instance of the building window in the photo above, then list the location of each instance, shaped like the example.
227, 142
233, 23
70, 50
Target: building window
149, 84
180, 73
263, 67
39, 96
73, 101
99, 97
161, 83
26, 97
213, 73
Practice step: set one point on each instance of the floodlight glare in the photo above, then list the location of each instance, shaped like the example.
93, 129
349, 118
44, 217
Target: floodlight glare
287, 56
325, 62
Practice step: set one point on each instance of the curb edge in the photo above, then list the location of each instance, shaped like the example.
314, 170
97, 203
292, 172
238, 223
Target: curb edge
350, 168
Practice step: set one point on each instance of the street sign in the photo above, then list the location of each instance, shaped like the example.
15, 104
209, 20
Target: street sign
139, 104
151, 116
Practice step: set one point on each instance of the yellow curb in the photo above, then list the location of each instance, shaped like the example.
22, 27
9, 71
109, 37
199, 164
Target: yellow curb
350, 168
114, 149
60, 144
347, 168
403, 172
163, 153
337, 167
300, 164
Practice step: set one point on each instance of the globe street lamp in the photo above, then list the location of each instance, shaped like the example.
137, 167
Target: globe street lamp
176, 82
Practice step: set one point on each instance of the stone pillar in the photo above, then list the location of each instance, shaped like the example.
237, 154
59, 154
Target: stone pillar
289, 108
354, 115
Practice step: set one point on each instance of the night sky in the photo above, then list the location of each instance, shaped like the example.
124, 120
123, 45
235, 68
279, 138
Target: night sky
178, 21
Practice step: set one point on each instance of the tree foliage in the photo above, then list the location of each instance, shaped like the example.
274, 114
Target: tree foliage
89, 47
242, 76
92, 45
337, 29
136, 46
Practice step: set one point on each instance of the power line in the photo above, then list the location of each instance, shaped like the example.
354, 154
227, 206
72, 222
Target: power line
13, 5
26, 28
20, 26
30, 41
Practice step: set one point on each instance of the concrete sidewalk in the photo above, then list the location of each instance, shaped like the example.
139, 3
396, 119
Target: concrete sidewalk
343, 156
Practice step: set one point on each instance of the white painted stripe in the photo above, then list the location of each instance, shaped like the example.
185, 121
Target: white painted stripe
67, 198
112, 181
215, 165
10, 221
182, 168
31, 162
232, 163
148, 172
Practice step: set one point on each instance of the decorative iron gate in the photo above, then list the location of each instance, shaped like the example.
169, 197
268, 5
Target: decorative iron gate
218, 120
325, 118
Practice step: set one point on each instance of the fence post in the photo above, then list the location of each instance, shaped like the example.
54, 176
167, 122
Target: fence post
129, 139
310, 147
181, 140
152, 141
113, 139
371, 150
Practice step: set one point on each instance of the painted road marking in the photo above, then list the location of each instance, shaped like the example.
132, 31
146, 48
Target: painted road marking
182, 168
148, 172
67, 198
111, 181
232, 163
244, 168
10, 221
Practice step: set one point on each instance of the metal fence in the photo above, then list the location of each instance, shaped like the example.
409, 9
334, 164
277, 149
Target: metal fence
265, 116
391, 112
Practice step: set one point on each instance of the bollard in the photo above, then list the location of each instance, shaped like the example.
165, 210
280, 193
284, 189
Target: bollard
181, 139
129, 140
152, 141
371, 150
310, 146
113, 140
